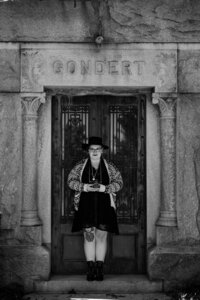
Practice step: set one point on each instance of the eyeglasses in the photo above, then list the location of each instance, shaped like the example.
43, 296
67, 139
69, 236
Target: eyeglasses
95, 150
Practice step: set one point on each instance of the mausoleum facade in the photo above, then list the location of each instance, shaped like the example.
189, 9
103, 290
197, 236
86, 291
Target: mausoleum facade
47, 75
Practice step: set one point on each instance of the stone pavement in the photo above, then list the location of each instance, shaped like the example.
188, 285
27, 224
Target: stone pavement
149, 296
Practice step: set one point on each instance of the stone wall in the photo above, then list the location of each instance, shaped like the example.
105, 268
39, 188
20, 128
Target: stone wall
10, 160
119, 21
188, 144
9, 67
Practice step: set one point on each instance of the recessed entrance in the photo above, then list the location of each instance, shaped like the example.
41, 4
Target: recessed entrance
120, 120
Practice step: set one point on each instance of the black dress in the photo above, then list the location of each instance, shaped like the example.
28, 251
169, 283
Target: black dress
94, 207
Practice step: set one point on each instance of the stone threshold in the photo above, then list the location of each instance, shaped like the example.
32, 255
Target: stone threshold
77, 284
149, 296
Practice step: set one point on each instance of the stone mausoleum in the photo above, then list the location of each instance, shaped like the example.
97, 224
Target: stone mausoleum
128, 71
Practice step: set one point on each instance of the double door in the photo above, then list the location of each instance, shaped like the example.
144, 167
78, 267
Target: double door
120, 121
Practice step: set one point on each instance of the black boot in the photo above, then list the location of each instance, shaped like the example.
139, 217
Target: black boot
99, 271
91, 270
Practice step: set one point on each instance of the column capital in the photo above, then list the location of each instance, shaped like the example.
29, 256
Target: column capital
31, 102
167, 103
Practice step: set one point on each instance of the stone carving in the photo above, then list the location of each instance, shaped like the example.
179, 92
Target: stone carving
33, 70
10, 69
31, 103
164, 70
58, 67
167, 105
37, 68
197, 182
98, 67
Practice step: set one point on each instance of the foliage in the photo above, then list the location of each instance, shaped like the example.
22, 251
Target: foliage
187, 293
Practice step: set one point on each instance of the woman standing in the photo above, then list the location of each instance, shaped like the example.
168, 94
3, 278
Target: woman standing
95, 182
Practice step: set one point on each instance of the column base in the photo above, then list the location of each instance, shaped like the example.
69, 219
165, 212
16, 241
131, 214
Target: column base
30, 218
167, 218
176, 265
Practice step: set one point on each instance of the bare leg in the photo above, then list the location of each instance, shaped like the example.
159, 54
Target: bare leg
89, 244
101, 244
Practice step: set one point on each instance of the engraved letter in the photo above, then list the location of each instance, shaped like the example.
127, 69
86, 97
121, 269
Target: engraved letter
71, 66
126, 67
140, 66
99, 67
112, 67
85, 68
58, 67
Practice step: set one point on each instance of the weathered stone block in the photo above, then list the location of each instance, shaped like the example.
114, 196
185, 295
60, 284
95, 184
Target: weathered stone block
122, 21
166, 235
189, 68
9, 68
178, 264
10, 159
23, 264
30, 235
188, 144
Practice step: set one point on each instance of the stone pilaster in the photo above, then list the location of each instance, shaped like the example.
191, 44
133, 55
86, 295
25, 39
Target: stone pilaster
30, 105
167, 106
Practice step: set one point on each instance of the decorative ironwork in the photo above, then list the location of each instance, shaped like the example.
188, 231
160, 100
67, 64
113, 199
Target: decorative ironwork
141, 175
75, 131
123, 152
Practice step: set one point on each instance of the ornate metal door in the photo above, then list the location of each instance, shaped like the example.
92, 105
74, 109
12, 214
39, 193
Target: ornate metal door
120, 120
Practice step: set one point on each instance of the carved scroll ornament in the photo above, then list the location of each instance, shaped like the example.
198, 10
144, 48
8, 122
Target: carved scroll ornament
31, 103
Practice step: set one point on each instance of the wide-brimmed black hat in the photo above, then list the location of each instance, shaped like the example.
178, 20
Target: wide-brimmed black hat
94, 140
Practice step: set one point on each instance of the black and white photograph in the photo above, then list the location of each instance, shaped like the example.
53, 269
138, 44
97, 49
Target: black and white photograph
99, 150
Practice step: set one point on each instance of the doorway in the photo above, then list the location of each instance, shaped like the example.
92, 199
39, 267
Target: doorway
121, 121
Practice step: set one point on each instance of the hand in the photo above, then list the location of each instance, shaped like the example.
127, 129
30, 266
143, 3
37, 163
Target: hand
92, 188
102, 188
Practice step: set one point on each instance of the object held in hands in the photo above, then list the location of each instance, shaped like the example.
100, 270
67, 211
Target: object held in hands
95, 185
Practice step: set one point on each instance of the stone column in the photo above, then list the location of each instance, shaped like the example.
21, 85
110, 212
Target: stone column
30, 105
167, 106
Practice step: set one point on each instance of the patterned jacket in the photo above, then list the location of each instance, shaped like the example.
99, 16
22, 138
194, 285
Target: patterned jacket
115, 178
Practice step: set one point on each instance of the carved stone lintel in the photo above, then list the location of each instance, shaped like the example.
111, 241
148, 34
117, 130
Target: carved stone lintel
30, 105
167, 106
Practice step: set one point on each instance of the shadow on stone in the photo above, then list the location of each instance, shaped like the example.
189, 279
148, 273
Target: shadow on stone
13, 291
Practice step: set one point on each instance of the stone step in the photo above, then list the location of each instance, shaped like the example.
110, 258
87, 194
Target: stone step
151, 296
77, 284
